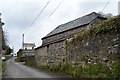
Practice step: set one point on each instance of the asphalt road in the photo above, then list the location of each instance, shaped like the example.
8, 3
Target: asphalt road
17, 70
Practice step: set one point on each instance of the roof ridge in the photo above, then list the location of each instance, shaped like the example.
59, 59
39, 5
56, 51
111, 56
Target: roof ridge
74, 23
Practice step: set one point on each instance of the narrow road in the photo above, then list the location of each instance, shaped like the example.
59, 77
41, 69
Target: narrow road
17, 70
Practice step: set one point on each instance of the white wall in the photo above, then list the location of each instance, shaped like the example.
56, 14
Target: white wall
28, 47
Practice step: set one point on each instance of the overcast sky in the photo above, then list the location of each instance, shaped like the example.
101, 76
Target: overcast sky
19, 14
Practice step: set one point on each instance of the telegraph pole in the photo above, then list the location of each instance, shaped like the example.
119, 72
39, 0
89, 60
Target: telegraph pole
13, 50
23, 42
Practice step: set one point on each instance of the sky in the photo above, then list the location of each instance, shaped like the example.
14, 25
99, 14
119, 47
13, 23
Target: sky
18, 15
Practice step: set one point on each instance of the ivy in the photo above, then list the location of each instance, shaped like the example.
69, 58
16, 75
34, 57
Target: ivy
106, 26
112, 24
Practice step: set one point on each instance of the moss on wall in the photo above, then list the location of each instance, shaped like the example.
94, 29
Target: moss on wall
97, 44
93, 53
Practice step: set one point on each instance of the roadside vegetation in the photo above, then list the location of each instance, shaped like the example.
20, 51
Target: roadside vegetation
6, 52
17, 60
91, 71
3, 69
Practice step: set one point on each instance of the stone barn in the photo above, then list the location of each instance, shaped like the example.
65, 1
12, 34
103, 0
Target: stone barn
53, 48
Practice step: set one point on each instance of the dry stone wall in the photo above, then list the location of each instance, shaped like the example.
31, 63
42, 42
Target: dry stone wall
103, 48
83, 47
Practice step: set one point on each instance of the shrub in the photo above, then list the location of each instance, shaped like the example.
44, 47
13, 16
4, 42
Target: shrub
96, 71
30, 61
17, 60
91, 71
111, 24
115, 70
78, 72
64, 67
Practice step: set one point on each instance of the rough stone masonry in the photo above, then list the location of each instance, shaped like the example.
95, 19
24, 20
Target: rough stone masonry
53, 49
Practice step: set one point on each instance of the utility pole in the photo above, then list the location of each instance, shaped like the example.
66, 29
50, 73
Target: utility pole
23, 42
13, 50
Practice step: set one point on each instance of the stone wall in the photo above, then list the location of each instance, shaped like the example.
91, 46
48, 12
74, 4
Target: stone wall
51, 54
53, 49
56, 53
103, 48
41, 56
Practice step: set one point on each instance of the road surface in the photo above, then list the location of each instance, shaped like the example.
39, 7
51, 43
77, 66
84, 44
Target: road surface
17, 70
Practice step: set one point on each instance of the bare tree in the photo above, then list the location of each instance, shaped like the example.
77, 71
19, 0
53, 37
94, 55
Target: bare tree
4, 40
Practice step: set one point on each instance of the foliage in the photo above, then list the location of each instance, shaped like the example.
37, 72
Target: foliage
4, 44
112, 24
115, 70
3, 69
17, 60
91, 71
4, 40
8, 50
8, 57
30, 61
96, 71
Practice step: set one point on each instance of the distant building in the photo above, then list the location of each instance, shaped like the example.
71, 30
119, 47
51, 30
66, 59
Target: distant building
28, 46
27, 50
53, 49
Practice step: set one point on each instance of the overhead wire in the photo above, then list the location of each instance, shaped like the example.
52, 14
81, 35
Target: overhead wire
40, 12
105, 6
49, 15
56, 8
38, 16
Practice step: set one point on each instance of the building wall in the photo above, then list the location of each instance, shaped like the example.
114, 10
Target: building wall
104, 48
54, 51
62, 36
41, 56
68, 34
28, 47
52, 54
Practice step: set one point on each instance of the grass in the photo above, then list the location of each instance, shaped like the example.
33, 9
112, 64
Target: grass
8, 57
17, 60
3, 69
0, 68
91, 71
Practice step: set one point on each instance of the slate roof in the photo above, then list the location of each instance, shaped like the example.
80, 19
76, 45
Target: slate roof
75, 23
